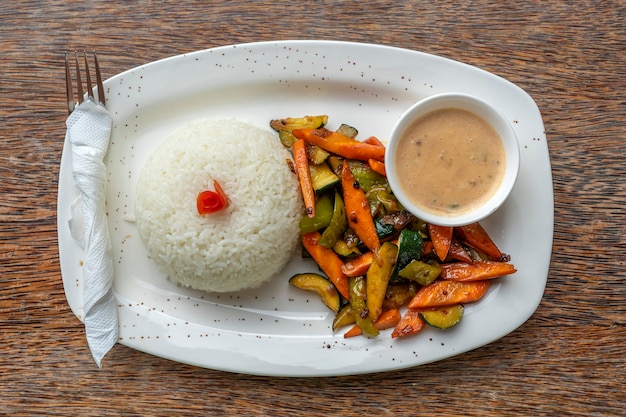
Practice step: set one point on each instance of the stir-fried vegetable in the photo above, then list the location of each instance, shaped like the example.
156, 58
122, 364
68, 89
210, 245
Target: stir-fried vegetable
379, 259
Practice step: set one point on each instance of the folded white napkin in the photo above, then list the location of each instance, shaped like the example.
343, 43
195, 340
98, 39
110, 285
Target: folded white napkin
88, 132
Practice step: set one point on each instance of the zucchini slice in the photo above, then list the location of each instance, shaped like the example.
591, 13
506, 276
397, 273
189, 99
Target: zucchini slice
383, 230
409, 250
335, 163
320, 285
344, 317
342, 248
378, 276
348, 130
444, 317
284, 127
316, 154
289, 124
287, 138
322, 177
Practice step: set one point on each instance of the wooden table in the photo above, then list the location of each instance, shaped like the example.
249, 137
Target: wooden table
568, 359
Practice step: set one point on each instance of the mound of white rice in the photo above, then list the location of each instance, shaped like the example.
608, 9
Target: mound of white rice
240, 247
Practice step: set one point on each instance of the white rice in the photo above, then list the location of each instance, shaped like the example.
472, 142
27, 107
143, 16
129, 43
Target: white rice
240, 247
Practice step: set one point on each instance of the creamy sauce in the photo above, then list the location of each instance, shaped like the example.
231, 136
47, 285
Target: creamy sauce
450, 161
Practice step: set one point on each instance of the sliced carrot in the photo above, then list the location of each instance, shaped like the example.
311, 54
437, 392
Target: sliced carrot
358, 210
386, 320
328, 261
373, 140
410, 323
359, 265
477, 271
458, 252
340, 144
377, 166
441, 236
475, 236
447, 292
301, 160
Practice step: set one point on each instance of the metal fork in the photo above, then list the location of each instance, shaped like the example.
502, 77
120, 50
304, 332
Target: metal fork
71, 104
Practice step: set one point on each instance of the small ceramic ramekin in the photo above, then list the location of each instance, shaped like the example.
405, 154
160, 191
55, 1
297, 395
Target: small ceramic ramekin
479, 108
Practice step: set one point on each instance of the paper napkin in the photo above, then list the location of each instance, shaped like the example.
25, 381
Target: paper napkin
89, 132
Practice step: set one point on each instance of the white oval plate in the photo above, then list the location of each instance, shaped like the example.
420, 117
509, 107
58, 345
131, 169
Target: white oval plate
278, 329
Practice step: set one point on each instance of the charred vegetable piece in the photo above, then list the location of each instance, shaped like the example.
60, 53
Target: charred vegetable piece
342, 248
322, 177
321, 286
400, 220
383, 230
477, 271
357, 210
291, 123
410, 323
357, 289
382, 201
443, 317
323, 216
351, 238
344, 317
378, 276
348, 131
444, 293
316, 154
476, 255
338, 224
398, 295
458, 252
424, 273
328, 261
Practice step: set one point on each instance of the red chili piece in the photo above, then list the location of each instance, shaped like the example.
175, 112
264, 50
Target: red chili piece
209, 202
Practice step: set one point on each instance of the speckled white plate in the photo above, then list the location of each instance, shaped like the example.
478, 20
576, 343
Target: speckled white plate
277, 329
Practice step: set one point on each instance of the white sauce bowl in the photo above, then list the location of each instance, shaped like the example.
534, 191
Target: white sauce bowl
481, 109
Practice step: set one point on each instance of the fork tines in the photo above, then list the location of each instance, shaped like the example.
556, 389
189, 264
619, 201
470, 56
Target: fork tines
79, 84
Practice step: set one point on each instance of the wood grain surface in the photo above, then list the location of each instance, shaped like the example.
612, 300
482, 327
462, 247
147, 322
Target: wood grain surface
568, 359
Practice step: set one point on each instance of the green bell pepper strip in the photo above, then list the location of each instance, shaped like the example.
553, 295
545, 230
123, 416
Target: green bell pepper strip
357, 289
323, 215
365, 176
338, 224
421, 272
